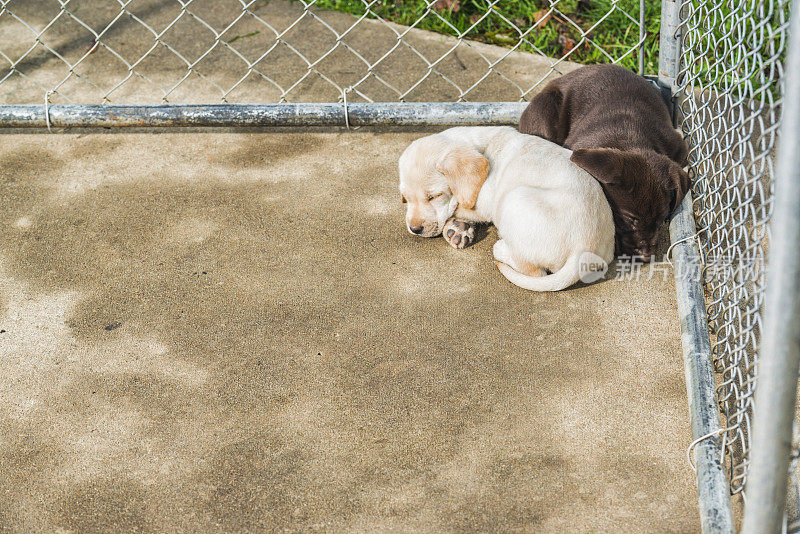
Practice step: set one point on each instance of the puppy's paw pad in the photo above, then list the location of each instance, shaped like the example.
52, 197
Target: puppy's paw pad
459, 234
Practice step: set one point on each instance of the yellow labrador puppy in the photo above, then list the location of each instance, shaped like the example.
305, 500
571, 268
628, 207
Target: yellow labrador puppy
551, 215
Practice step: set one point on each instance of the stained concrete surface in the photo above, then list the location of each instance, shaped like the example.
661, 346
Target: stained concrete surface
219, 332
225, 332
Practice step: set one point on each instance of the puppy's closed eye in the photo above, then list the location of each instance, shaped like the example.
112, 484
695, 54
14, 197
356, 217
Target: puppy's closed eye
432, 197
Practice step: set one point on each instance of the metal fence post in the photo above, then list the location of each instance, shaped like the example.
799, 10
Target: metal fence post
642, 35
669, 47
778, 366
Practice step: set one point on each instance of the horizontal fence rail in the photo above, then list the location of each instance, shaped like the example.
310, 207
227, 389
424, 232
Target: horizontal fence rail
264, 115
714, 498
716, 514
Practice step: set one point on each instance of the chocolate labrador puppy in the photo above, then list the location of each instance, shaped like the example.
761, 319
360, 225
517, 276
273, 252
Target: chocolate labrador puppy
620, 131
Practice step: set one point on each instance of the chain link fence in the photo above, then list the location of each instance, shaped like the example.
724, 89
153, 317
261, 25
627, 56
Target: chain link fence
260, 51
731, 96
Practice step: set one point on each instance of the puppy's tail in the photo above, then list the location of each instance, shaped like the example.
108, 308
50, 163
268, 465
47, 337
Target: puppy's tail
561, 279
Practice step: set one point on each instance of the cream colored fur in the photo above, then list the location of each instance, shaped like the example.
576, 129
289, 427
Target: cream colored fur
547, 210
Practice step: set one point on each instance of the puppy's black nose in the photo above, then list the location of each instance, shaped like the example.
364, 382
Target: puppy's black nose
415, 229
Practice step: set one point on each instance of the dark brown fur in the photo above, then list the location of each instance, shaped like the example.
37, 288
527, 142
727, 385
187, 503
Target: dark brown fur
620, 130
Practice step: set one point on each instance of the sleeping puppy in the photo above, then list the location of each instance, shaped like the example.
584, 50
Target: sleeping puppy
549, 212
620, 130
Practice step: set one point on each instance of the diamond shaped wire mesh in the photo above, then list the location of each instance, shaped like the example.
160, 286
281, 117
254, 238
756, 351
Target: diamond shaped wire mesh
258, 51
731, 93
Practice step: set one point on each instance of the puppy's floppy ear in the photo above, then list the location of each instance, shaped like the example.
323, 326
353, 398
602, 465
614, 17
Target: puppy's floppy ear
465, 169
679, 184
605, 164
678, 150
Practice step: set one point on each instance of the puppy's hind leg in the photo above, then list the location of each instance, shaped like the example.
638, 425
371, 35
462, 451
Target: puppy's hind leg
502, 254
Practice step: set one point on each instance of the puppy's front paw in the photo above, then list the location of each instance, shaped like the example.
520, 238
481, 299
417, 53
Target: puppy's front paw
459, 234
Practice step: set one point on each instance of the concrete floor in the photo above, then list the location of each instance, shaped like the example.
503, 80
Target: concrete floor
234, 331
221, 332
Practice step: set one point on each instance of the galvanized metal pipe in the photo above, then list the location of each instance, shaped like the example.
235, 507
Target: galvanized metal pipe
776, 389
263, 115
716, 514
642, 35
669, 48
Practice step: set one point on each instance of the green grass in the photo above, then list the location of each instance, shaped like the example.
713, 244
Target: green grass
556, 36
